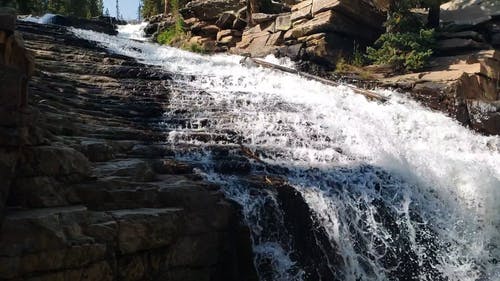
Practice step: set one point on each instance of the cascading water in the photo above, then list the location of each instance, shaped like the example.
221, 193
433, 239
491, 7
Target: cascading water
400, 192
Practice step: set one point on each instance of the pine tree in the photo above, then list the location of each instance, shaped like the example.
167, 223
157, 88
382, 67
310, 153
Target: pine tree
152, 7
95, 8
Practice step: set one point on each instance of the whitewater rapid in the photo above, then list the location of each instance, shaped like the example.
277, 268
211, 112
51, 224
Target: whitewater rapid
346, 156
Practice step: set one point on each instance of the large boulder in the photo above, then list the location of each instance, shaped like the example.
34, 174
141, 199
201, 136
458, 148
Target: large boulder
210, 10
104, 26
469, 12
319, 30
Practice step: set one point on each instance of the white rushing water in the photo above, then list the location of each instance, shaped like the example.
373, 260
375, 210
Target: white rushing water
352, 160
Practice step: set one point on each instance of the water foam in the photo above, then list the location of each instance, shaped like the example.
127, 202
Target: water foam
349, 156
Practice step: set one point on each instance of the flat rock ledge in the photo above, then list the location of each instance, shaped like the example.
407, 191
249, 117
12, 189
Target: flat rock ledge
89, 191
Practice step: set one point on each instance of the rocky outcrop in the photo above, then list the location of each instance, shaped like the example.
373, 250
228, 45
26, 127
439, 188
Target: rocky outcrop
101, 24
96, 195
16, 66
464, 86
317, 30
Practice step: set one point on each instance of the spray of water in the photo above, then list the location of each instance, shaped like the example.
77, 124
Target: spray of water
398, 188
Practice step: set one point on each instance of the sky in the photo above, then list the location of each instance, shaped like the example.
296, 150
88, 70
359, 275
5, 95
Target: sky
128, 8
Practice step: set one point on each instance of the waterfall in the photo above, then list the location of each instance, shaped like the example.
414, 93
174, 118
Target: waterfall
395, 191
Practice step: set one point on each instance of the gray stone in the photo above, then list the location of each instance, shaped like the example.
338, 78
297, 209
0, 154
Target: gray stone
283, 23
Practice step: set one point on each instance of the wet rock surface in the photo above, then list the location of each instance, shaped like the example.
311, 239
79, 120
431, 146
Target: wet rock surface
101, 24
97, 194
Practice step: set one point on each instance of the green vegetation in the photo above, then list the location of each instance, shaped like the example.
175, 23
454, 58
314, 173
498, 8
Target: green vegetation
171, 35
403, 50
176, 35
408, 43
79, 8
152, 7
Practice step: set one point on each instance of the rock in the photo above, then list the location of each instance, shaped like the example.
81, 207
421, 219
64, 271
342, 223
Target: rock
314, 251
228, 32
145, 229
262, 18
468, 34
239, 24
135, 213
136, 169
96, 151
89, 24
284, 22
151, 28
226, 20
170, 166
54, 161
276, 39
458, 44
302, 10
461, 12
209, 10
495, 40
294, 52
456, 85
485, 116
357, 10
8, 19
209, 31
38, 192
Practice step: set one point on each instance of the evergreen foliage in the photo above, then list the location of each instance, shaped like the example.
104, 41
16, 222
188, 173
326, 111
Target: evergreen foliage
152, 7
408, 44
79, 8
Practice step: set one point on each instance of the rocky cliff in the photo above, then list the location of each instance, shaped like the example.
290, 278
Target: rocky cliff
88, 190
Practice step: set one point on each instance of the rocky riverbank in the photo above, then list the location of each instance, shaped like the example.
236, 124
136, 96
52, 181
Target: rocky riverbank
89, 190
461, 80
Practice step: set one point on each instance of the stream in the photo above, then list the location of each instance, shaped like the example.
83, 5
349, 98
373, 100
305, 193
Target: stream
389, 191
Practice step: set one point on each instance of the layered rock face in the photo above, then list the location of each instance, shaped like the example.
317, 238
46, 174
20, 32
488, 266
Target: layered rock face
16, 66
95, 194
318, 30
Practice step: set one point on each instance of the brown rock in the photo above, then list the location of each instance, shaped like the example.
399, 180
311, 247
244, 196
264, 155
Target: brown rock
226, 20
210, 31
301, 5
301, 11
358, 10
459, 44
229, 40
284, 22
145, 229
275, 39
228, 32
321, 22
209, 10
262, 18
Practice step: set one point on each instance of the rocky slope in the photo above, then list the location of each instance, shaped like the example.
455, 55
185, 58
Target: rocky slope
89, 191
